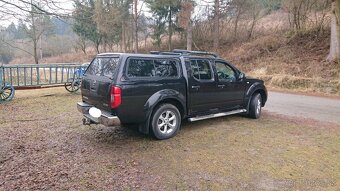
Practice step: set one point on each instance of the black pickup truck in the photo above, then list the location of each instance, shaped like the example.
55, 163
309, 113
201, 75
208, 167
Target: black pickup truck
157, 91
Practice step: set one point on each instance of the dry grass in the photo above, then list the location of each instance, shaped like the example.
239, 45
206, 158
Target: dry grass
294, 62
45, 147
72, 57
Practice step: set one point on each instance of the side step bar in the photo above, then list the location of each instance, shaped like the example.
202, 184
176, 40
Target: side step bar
198, 118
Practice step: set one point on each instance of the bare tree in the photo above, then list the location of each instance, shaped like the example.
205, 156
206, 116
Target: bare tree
216, 24
37, 16
255, 10
334, 51
37, 26
185, 22
239, 7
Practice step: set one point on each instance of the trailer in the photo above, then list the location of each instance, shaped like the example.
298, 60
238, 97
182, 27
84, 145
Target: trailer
30, 76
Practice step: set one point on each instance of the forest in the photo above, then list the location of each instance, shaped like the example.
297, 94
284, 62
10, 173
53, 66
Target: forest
288, 43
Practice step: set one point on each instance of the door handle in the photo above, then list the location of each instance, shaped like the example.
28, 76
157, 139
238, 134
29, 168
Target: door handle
195, 87
220, 86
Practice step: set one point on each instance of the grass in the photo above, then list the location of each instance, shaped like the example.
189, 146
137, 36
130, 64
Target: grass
294, 62
45, 146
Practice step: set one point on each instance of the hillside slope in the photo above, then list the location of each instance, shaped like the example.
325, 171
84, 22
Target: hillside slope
290, 62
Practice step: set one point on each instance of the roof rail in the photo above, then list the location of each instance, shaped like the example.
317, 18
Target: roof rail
185, 52
164, 53
189, 52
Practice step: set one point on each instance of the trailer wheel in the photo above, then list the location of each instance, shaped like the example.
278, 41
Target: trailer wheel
72, 85
7, 93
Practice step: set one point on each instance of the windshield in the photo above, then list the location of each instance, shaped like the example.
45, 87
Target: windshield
103, 66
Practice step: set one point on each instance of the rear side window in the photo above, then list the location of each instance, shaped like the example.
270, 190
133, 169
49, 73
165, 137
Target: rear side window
103, 66
163, 68
201, 69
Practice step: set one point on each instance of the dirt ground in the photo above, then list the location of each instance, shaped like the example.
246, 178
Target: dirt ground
44, 146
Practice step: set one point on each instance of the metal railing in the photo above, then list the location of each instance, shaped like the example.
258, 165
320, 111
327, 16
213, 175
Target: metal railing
39, 75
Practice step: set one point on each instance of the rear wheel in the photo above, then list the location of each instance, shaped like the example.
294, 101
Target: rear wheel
166, 121
255, 106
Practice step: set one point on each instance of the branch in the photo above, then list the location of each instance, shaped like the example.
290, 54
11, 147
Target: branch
9, 44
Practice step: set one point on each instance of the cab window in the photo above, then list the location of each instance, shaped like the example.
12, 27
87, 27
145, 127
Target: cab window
225, 72
201, 69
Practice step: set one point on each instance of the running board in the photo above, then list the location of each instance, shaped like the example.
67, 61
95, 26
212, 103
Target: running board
198, 118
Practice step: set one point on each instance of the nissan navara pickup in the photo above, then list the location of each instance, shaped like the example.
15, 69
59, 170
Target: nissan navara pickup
156, 91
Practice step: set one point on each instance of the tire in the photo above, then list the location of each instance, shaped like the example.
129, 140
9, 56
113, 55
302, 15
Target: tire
170, 117
255, 106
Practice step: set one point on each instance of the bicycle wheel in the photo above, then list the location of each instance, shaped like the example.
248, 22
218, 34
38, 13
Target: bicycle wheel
7, 93
72, 85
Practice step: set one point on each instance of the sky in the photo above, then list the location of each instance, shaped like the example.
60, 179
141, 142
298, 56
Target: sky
55, 6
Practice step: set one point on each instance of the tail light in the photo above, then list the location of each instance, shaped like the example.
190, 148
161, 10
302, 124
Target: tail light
116, 97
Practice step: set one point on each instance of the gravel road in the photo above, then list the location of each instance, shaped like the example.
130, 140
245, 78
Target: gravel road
302, 106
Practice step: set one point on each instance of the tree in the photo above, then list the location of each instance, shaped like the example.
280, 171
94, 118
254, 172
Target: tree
136, 15
334, 52
185, 21
6, 53
239, 7
21, 30
84, 25
216, 27
38, 24
164, 12
255, 9
112, 19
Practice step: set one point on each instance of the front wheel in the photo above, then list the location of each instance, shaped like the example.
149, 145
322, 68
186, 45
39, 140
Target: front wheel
166, 121
255, 106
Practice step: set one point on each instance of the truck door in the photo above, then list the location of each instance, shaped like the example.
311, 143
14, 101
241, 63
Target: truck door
230, 90
201, 86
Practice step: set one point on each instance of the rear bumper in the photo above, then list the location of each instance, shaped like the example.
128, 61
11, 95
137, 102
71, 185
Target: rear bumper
106, 118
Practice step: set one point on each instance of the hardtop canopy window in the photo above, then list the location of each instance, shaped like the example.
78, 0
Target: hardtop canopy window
164, 68
103, 66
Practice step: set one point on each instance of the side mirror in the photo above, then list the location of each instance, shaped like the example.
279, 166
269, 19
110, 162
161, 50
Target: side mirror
241, 76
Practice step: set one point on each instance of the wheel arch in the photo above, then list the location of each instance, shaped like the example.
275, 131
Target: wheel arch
174, 102
263, 95
164, 96
254, 89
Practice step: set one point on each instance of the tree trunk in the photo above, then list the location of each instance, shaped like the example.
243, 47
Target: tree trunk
35, 52
145, 41
97, 46
34, 39
83, 46
236, 25
123, 41
250, 32
136, 25
334, 51
170, 29
189, 35
216, 25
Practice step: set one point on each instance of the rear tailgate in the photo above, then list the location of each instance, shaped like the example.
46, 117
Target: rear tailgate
97, 81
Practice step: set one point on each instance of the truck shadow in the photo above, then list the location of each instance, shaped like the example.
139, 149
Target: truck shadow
126, 134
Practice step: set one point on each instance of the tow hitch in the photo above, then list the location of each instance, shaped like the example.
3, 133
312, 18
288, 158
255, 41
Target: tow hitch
86, 121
